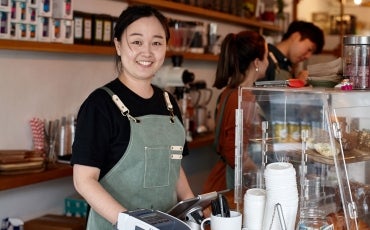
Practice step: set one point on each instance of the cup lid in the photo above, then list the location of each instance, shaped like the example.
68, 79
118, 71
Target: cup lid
356, 40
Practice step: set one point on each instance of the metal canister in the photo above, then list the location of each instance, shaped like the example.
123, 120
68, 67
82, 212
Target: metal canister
356, 54
306, 127
294, 131
280, 131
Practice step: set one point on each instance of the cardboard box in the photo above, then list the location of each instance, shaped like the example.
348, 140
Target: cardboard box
32, 3
22, 31
75, 205
63, 9
45, 8
18, 11
4, 24
5, 5
56, 222
31, 14
56, 30
44, 29
83, 27
67, 27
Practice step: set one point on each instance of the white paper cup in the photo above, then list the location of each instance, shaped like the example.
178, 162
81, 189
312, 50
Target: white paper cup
234, 222
254, 208
281, 188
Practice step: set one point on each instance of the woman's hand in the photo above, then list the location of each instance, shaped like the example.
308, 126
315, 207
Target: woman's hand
85, 179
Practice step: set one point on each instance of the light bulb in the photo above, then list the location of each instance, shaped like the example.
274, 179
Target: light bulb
357, 2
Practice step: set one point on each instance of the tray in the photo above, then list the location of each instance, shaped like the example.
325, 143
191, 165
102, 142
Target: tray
295, 149
23, 171
14, 162
21, 166
20, 156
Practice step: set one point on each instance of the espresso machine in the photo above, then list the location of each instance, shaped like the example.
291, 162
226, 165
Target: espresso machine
201, 98
176, 79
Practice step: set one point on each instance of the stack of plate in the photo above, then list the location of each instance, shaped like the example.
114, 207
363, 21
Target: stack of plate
326, 74
20, 162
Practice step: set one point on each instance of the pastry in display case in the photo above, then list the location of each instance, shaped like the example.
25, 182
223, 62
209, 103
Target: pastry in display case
325, 135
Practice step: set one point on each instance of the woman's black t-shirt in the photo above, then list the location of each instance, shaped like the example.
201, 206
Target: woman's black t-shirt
103, 133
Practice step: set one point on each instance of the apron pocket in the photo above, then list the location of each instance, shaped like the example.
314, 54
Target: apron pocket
158, 164
157, 167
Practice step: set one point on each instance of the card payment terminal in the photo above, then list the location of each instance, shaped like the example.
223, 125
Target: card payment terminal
147, 219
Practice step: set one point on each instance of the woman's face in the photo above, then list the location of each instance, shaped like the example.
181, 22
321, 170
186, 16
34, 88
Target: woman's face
142, 48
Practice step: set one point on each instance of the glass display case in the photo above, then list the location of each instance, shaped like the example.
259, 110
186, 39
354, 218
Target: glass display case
324, 134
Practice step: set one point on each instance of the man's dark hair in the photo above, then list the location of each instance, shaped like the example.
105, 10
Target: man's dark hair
307, 30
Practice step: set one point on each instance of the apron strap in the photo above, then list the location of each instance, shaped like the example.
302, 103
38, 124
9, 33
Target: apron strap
124, 110
218, 124
169, 106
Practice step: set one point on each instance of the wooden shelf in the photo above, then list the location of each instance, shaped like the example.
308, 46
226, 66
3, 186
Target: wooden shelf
209, 14
55, 47
64, 170
85, 49
54, 172
160, 4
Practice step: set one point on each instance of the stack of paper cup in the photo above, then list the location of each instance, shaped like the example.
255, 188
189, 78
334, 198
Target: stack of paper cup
254, 208
281, 189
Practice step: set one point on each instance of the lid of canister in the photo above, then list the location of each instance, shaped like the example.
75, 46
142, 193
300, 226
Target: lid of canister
356, 40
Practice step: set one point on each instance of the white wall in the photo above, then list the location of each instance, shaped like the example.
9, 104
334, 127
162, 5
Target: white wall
36, 200
332, 7
45, 85
306, 8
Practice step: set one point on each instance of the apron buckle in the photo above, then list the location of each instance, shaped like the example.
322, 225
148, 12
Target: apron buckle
126, 114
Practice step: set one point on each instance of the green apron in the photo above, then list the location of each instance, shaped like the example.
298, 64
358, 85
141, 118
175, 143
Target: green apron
282, 74
147, 173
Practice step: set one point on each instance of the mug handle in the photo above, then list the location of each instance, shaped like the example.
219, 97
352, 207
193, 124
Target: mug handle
204, 221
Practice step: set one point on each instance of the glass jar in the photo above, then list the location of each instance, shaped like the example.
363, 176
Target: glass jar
313, 219
356, 54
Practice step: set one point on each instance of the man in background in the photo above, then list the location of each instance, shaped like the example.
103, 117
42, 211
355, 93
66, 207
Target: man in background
301, 40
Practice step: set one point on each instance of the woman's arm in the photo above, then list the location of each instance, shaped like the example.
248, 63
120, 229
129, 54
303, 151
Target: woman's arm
183, 189
85, 179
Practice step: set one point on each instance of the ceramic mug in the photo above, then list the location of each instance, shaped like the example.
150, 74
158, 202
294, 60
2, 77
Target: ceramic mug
234, 222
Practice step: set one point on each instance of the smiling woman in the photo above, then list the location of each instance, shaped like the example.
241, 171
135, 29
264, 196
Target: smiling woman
129, 137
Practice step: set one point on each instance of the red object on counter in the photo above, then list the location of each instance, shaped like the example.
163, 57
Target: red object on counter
296, 83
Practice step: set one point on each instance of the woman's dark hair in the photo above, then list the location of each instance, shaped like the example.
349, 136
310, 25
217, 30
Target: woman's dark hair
238, 51
307, 30
130, 15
